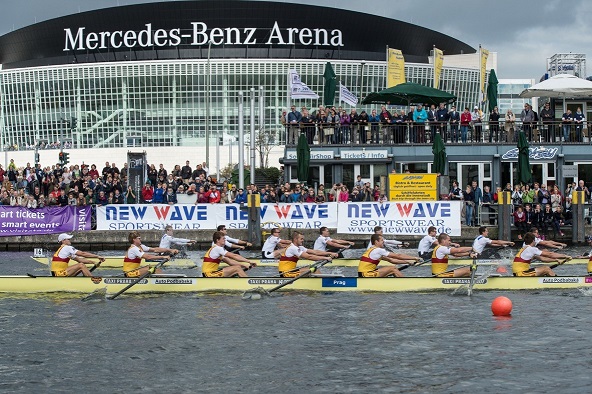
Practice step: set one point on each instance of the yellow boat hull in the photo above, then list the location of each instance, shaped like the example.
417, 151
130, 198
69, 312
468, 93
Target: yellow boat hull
32, 285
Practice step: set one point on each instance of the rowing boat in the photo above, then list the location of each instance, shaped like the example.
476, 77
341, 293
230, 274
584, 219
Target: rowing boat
117, 262
112, 262
182, 284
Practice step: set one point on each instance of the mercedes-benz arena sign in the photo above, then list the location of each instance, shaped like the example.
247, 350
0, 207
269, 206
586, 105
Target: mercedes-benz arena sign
200, 35
221, 29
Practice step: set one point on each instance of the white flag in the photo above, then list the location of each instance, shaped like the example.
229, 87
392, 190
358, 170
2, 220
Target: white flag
298, 89
346, 96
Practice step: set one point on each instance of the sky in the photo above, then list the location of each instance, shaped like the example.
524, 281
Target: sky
524, 33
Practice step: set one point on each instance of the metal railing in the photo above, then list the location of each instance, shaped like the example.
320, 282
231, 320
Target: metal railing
502, 132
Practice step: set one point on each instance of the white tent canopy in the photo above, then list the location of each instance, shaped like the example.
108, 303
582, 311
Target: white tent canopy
560, 86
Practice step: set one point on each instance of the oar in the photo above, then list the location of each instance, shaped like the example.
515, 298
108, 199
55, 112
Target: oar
473, 273
404, 267
312, 269
307, 266
148, 273
451, 270
255, 293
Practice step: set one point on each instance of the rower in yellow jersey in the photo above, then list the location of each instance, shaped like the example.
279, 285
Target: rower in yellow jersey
440, 258
216, 254
588, 255
522, 260
137, 251
368, 266
289, 258
61, 258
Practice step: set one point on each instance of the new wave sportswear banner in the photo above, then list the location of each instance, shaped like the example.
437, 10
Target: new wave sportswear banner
399, 218
297, 215
402, 218
17, 221
209, 216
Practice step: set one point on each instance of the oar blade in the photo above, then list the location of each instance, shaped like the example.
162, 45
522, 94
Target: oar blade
97, 295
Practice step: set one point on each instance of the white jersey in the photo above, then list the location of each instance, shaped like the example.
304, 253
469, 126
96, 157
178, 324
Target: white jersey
442, 252
167, 240
378, 253
294, 250
270, 244
67, 252
217, 251
480, 243
530, 252
426, 244
321, 243
135, 252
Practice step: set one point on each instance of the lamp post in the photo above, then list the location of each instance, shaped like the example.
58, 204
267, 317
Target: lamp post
361, 79
208, 82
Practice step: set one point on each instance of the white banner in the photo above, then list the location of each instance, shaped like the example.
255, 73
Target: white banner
297, 215
156, 217
396, 218
298, 89
346, 96
399, 218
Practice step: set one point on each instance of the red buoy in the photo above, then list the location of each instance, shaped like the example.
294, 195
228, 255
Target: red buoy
501, 306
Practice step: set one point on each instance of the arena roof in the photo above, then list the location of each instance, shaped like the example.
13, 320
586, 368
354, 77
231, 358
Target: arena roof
236, 29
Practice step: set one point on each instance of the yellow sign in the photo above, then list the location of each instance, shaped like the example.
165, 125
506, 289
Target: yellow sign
484, 56
395, 70
438, 63
413, 187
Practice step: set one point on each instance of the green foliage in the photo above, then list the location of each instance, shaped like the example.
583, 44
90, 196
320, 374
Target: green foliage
272, 173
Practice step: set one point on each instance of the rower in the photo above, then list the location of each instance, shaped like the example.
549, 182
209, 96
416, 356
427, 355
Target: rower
428, 242
325, 243
232, 244
521, 264
296, 250
440, 258
547, 242
216, 254
393, 243
167, 239
137, 251
274, 246
368, 266
62, 256
588, 255
482, 241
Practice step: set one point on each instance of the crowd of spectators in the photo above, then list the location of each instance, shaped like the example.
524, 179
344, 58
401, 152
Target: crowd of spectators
547, 209
417, 124
37, 187
40, 145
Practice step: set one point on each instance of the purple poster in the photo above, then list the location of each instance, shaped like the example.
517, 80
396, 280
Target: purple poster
24, 221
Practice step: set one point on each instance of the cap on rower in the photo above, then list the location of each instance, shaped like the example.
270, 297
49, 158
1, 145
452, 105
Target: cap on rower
64, 236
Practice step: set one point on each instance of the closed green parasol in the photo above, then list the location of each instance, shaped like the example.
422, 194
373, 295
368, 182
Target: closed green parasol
303, 158
492, 91
524, 174
330, 85
439, 151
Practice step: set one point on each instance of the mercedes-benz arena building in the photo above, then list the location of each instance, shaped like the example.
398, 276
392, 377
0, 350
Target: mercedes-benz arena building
159, 74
